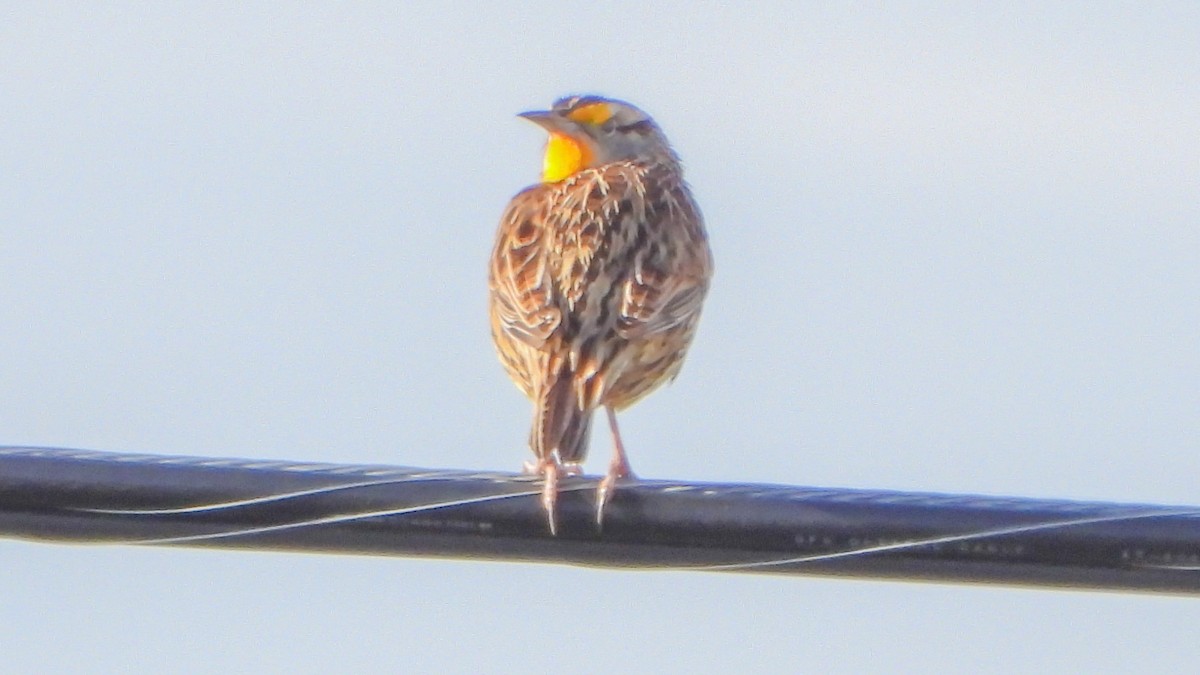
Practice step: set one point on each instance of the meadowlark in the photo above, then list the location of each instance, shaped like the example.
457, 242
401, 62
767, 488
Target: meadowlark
596, 281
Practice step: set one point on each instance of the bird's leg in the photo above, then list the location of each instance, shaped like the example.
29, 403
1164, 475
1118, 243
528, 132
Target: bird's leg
618, 468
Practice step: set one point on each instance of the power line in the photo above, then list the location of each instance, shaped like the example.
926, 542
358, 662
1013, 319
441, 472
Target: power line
74, 496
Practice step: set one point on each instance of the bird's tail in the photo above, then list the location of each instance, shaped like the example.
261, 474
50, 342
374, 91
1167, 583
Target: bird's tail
559, 423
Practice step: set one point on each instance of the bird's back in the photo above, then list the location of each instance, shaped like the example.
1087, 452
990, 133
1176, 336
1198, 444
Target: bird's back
598, 279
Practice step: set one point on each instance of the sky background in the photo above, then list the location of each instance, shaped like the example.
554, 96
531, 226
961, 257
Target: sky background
957, 250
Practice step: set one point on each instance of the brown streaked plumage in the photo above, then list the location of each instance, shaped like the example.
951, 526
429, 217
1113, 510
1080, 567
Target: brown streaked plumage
596, 280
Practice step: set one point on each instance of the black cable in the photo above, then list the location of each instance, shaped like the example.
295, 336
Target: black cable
98, 497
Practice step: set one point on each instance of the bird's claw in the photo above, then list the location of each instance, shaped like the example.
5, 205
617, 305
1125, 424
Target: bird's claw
608, 485
551, 469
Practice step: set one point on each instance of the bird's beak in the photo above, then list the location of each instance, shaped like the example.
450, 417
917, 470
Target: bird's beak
549, 120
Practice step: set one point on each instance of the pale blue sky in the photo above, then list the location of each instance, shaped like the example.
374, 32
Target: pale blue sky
957, 250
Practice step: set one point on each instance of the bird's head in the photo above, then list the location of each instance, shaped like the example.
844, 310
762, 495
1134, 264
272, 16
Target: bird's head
591, 131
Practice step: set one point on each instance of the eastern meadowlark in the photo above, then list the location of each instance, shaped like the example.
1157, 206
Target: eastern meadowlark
597, 280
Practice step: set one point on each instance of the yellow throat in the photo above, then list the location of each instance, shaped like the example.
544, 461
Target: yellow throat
564, 157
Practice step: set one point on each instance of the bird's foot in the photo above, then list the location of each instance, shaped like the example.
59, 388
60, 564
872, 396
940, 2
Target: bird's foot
550, 469
618, 470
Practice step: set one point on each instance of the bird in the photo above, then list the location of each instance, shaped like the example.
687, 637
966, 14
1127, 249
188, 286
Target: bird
596, 281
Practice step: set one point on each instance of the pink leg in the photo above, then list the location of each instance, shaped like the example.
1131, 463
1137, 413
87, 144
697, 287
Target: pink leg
618, 468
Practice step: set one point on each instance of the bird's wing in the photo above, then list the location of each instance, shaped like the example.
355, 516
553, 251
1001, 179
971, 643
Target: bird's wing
668, 281
523, 294
651, 306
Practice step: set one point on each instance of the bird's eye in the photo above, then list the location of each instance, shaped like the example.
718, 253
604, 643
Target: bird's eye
640, 127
